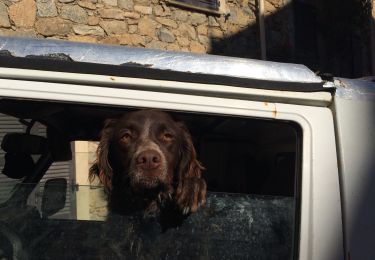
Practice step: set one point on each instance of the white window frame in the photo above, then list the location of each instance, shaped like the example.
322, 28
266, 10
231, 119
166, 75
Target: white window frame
320, 211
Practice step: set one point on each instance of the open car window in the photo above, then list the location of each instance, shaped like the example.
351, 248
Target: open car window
49, 208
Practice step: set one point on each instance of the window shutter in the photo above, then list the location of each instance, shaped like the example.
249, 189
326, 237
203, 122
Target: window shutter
212, 6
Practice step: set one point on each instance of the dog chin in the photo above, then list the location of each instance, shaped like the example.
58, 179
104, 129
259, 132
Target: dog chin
147, 183
147, 180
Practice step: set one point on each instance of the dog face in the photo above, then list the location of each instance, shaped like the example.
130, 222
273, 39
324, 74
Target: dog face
149, 153
147, 145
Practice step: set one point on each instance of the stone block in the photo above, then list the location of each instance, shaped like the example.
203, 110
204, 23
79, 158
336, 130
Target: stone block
93, 20
4, 19
198, 18
179, 15
143, 9
213, 22
132, 15
183, 41
202, 29
197, 47
88, 30
156, 45
162, 11
126, 4
132, 21
138, 40
23, 13
204, 40
233, 15
142, 2
74, 13
132, 40
28, 33
133, 28
276, 3
166, 36
187, 30
109, 2
269, 7
82, 38
112, 13
167, 22
244, 19
87, 4
110, 40
46, 8
173, 47
53, 26
248, 11
147, 26
223, 23
114, 27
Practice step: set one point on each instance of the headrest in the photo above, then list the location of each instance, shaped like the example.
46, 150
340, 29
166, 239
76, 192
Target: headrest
18, 166
19, 147
20, 143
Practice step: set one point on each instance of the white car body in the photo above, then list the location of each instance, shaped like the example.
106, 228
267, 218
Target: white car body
337, 118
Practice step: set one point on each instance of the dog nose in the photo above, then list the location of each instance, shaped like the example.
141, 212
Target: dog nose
149, 159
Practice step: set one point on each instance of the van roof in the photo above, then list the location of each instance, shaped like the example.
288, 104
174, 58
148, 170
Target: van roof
58, 55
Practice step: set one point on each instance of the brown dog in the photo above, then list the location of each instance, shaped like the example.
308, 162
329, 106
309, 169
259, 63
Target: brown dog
146, 158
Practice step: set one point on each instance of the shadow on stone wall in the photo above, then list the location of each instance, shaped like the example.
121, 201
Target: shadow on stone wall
327, 36
246, 43
345, 37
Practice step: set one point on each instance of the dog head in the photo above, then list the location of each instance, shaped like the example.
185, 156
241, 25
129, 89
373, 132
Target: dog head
148, 152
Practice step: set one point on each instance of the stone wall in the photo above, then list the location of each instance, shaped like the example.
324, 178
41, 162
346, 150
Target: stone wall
144, 23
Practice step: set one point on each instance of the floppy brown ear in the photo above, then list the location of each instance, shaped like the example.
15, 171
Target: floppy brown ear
102, 167
191, 187
190, 167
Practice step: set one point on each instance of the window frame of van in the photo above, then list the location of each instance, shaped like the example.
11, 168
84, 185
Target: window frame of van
320, 226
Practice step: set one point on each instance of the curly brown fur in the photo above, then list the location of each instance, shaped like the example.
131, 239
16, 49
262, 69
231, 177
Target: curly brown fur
145, 159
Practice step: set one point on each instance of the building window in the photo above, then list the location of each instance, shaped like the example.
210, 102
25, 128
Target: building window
210, 6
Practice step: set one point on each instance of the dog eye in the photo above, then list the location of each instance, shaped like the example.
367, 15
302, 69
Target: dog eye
126, 137
168, 137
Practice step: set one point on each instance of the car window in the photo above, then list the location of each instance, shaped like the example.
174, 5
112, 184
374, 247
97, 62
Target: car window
252, 174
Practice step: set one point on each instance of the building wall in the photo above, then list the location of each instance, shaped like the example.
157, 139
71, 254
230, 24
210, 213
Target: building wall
143, 23
91, 201
327, 36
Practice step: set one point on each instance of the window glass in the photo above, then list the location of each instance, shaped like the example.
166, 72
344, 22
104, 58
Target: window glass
252, 170
205, 5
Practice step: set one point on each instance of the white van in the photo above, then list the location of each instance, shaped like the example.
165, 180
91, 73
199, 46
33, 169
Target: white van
289, 156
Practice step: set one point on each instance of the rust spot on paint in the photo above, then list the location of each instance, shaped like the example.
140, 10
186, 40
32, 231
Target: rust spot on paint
112, 78
274, 113
272, 108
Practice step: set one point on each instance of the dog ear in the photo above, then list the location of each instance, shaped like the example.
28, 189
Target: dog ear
189, 166
191, 187
102, 167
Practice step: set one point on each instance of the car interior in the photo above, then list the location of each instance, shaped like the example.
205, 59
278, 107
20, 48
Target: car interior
252, 174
